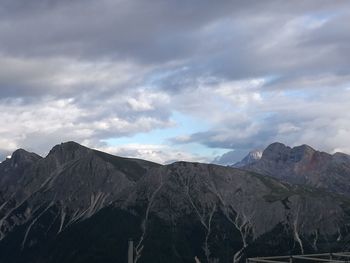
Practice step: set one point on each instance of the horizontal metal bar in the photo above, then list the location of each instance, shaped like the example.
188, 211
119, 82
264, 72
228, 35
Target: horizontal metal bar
317, 259
265, 260
311, 257
306, 255
315, 255
340, 254
277, 257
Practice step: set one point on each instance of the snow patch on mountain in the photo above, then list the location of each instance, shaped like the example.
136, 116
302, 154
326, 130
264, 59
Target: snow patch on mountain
250, 158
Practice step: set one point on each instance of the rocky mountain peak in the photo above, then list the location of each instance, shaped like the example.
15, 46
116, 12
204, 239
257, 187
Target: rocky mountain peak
341, 157
22, 156
68, 151
275, 151
14, 167
305, 165
279, 152
302, 152
250, 158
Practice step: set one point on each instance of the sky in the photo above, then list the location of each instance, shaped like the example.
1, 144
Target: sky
174, 80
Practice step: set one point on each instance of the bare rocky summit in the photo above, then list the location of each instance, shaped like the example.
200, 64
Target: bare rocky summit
304, 165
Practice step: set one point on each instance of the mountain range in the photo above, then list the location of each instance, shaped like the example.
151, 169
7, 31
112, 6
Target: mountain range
82, 205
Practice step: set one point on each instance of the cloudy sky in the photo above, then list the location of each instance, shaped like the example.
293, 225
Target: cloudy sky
172, 80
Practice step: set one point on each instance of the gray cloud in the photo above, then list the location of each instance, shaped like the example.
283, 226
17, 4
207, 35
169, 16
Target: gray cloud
93, 70
231, 40
151, 31
318, 117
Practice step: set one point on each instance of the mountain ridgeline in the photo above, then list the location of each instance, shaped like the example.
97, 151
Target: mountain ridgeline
305, 166
82, 205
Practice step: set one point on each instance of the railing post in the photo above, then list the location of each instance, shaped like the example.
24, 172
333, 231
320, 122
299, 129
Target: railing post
131, 251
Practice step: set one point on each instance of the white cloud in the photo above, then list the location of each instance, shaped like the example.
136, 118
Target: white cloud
157, 153
39, 125
318, 117
144, 100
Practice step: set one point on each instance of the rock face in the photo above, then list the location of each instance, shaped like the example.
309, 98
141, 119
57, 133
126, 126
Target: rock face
82, 205
304, 165
251, 158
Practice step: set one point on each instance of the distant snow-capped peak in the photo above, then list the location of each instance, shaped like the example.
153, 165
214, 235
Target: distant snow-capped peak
250, 158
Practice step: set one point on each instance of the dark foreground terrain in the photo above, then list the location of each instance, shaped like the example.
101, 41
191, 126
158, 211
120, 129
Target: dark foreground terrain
82, 205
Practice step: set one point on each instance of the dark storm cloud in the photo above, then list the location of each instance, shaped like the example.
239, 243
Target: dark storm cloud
151, 31
231, 40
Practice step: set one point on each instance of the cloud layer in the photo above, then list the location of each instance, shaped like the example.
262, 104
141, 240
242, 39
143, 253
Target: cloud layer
252, 72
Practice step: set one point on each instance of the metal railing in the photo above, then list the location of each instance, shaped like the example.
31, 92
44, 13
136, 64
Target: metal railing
338, 257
